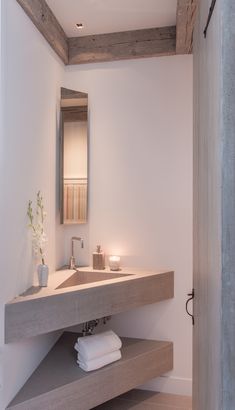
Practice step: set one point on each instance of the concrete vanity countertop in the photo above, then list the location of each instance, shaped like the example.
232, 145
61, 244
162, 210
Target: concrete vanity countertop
41, 310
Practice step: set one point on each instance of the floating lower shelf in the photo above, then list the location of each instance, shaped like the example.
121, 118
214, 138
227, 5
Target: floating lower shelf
58, 383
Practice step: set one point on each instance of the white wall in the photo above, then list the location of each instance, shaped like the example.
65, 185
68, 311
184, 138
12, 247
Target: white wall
28, 163
140, 193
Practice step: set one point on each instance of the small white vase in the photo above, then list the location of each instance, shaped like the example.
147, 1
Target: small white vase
43, 275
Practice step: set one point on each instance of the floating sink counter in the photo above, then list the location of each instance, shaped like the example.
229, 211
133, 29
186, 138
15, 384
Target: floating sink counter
74, 297
66, 302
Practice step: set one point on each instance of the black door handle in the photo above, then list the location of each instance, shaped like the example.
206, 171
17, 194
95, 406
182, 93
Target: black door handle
191, 297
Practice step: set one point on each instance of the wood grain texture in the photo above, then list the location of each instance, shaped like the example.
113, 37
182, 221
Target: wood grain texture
73, 114
61, 308
124, 45
58, 383
185, 20
214, 226
147, 400
226, 9
207, 213
45, 21
67, 94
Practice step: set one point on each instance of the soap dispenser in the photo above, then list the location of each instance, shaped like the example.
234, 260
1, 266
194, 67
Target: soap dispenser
98, 259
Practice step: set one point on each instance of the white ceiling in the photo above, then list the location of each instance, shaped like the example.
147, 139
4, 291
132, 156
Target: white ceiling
109, 16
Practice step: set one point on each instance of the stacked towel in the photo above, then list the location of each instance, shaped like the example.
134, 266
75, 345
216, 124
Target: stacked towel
98, 350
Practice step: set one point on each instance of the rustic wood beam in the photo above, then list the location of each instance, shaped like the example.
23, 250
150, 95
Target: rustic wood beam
74, 113
45, 21
67, 94
185, 19
124, 45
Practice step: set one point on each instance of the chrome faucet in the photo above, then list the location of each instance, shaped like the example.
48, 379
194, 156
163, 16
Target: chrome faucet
72, 264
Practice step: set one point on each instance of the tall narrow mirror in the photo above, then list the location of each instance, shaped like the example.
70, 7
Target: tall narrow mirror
74, 156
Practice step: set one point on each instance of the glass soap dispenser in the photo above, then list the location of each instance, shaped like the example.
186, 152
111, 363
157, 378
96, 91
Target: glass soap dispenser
98, 259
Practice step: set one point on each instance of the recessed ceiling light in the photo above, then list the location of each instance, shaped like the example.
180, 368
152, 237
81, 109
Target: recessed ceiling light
79, 26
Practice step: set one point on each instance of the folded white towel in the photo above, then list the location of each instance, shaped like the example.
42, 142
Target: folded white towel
99, 362
91, 347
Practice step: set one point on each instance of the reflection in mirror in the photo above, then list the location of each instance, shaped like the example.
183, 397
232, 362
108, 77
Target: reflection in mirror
74, 156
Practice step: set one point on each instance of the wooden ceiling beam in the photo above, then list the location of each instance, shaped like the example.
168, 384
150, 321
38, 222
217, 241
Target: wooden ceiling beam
152, 42
185, 19
124, 45
45, 21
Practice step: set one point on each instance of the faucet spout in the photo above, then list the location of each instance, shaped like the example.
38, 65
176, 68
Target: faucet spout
72, 263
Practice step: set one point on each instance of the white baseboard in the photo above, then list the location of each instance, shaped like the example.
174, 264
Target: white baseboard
170, 384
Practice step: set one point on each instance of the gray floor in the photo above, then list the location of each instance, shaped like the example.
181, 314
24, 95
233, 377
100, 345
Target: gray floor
146, 400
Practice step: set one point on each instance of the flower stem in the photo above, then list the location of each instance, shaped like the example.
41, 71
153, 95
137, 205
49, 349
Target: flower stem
42, 257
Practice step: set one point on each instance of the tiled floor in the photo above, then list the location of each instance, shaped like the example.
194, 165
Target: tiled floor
146, 400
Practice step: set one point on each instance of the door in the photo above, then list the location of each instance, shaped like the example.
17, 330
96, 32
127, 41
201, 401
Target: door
214, 209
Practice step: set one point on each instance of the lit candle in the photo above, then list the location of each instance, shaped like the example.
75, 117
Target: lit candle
114, 262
